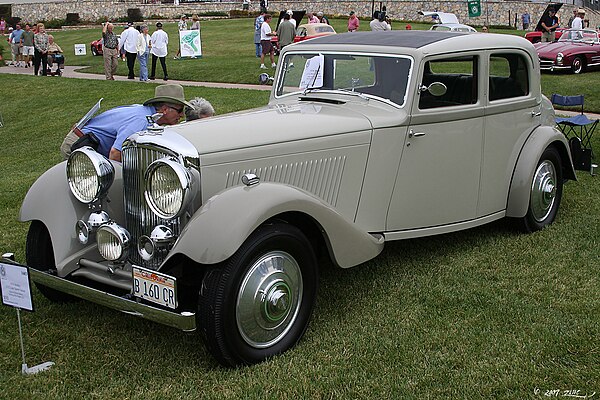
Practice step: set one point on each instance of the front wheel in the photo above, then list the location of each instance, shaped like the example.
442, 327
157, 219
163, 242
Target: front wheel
259, 302
578, 65
40, 256
546, 192
94, 51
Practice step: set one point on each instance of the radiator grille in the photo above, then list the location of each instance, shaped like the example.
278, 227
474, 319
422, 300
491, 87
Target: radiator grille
321, 177
140, 220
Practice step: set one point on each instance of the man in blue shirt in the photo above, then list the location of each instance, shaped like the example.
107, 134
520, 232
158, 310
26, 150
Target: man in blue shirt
112, 127
15, 44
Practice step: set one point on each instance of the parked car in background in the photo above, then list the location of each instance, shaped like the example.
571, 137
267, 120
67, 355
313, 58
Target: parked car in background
96, 47
310, 31
576, 50
218, 224
446, 22
536, 35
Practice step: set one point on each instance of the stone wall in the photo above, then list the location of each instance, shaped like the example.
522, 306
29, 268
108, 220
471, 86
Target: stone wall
493, 12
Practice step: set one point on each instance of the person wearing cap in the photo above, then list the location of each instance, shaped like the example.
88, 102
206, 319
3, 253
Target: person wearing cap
110, 129
15, 39
578, 20
549, 24
322, 19
128, 42
353, 22
292, 19
160, 41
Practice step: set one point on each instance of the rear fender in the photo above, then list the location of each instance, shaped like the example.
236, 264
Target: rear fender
224, 222
522, 179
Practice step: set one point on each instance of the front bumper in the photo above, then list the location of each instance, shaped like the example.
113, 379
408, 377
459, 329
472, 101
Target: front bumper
553, 67
185, 321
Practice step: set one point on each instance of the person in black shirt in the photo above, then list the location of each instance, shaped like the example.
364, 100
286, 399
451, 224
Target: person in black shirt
549, 25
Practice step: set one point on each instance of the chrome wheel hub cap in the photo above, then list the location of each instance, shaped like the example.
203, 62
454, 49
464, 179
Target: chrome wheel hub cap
543, 191
269, 299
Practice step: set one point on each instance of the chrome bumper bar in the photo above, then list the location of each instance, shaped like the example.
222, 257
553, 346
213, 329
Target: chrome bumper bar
185, 321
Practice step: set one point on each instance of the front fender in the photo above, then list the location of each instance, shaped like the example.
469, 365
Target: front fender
522, 179
224, 222
50, 201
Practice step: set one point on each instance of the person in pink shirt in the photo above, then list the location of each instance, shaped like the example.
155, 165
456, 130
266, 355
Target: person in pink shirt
353, 22
312, 18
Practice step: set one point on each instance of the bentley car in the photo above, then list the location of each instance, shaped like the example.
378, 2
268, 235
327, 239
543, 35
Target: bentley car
221, 226
576, 50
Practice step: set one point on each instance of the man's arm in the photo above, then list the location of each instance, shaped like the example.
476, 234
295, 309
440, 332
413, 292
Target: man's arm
115, 154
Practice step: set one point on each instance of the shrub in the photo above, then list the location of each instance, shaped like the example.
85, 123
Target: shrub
55, 23
72, 19
134, 15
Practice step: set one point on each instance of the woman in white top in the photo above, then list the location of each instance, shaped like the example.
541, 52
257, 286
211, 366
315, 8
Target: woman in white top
159, 40
143, 46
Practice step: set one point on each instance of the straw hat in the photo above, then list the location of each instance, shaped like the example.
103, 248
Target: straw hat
170, 93
581, 11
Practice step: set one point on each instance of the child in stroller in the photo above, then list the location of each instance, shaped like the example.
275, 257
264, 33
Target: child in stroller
55, 56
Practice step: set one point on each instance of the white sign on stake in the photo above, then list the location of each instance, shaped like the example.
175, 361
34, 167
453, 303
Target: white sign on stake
16, 292
80, 50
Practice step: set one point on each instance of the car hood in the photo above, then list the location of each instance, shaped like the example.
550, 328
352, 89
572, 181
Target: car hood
271, 125
550, 50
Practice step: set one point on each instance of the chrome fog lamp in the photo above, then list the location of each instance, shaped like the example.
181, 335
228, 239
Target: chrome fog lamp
159, 240
168, 187
85, 229
559, 58
89, 174
113, 242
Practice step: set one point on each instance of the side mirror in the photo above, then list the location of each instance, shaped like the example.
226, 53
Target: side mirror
436, 89
265, 79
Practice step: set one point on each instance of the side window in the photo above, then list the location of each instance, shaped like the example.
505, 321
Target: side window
508, 76
459, 76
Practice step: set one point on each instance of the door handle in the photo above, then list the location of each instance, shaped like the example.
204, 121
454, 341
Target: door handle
535, 114
412, 134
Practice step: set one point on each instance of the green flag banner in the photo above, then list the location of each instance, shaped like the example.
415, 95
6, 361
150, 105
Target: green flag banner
474, 8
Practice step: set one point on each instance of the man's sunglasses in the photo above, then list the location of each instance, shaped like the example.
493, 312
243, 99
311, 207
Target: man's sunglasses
179, 110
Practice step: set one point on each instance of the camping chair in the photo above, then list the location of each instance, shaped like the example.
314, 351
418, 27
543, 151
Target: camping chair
579, 125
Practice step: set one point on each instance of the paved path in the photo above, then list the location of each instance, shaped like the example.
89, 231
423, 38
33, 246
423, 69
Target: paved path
71, 72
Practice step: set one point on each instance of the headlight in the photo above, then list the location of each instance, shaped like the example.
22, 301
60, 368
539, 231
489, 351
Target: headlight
113, 242
559, 58
167, 187
89, 174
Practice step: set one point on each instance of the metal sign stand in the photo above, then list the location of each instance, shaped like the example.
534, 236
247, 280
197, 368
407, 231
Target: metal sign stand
16, 292
36, 368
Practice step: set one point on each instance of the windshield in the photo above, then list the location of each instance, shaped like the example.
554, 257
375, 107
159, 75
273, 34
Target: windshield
579, 36
385, 77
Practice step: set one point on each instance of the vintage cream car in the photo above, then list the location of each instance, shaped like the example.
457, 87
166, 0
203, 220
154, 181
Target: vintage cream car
216, 225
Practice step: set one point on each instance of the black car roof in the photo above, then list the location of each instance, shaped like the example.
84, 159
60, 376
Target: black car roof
411, 39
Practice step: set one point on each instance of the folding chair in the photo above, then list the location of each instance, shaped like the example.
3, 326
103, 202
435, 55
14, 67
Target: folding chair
580, 125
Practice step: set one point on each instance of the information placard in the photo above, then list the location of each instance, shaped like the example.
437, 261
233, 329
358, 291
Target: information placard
312, 76
16, 289
80, 50
190, 43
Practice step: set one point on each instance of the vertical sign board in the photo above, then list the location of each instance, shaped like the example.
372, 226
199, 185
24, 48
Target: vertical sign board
16, 289
474, 8
80, 50
190, 43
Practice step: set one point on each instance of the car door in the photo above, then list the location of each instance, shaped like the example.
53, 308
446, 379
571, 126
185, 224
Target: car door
438, 179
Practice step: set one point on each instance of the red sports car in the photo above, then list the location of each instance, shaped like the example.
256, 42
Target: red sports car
96, 47
577, 49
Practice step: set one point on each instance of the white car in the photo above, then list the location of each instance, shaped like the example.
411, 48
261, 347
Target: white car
447, 22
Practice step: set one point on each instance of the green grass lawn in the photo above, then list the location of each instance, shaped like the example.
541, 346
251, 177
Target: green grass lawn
485, 313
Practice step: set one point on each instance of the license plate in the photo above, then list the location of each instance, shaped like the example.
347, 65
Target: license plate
155, 287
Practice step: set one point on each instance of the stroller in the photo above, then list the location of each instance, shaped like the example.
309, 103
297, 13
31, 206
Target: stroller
59, 60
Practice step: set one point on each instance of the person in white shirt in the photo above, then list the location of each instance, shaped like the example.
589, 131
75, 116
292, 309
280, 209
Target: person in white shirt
159, 40
265, 41
128, 42
143, 47
292, 20
578, 20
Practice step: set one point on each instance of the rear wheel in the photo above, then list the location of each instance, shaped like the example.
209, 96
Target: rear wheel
259, 302
40, 256
546, 192
578, 65
94, 51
